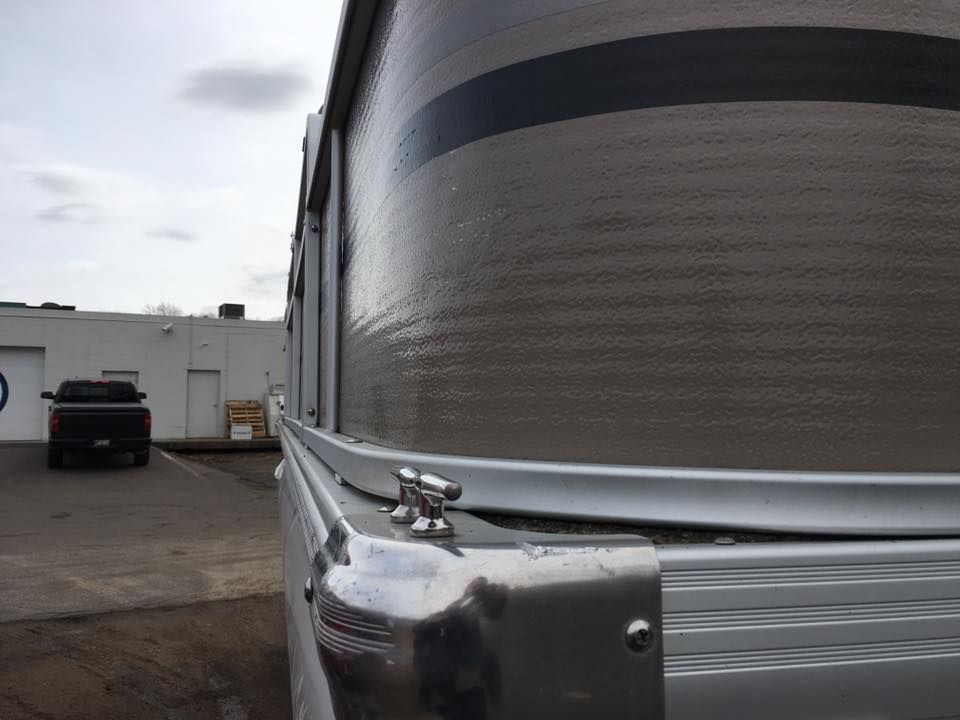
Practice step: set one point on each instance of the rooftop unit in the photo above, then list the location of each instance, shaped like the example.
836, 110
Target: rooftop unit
232, 311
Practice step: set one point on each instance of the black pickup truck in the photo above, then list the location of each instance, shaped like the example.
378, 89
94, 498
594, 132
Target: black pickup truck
98, 416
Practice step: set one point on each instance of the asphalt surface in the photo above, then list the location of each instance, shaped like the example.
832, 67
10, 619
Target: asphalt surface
103, 535
141, 592
224, 660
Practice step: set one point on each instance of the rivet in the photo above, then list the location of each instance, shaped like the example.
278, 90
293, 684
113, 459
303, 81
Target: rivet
314, 228
639, 635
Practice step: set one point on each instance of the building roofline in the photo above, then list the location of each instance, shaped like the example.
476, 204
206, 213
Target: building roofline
54, 314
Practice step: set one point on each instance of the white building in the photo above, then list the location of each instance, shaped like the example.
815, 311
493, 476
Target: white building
187, 366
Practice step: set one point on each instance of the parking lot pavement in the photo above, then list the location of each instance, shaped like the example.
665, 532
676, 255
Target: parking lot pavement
103, 535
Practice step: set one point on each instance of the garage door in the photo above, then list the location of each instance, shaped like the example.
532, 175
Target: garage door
21, 382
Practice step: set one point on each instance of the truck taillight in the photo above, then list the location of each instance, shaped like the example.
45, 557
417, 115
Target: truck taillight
147, 422
55, 423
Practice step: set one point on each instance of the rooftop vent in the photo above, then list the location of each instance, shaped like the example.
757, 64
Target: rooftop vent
41, 306
232, 311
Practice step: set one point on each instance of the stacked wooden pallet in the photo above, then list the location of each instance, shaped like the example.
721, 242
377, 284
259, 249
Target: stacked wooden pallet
246, 412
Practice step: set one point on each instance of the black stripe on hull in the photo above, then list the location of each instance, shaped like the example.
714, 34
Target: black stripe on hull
687, 68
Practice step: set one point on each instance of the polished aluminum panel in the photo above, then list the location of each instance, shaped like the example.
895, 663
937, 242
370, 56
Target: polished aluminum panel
299, 522
486, 628
799, 631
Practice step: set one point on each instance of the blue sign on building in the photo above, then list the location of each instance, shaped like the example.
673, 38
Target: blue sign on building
4, 391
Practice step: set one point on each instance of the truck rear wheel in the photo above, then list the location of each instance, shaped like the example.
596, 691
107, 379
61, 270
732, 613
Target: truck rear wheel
141, 458
54, 457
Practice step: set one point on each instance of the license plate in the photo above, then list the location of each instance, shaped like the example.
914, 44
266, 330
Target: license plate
101, 443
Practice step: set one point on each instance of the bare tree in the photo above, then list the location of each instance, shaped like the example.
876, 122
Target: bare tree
162, 308
207, 311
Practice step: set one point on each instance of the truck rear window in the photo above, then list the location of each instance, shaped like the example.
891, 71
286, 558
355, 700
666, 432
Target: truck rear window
98, 392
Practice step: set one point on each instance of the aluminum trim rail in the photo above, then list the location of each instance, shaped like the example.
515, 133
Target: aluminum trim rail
331, 301
858, 504
812, 630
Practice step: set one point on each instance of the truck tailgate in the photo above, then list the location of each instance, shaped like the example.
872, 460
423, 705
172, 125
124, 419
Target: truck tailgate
113, 420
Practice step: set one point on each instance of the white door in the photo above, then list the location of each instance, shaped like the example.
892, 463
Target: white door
203, 403
124, 375
21, 382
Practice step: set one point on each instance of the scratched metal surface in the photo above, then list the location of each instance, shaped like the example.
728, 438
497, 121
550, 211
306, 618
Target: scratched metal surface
756, 285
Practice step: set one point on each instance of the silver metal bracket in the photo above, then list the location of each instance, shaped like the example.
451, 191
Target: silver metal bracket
504, 626
434, 489
406, 511
479, 626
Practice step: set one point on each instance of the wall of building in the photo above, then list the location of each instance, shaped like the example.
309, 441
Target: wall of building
247, 354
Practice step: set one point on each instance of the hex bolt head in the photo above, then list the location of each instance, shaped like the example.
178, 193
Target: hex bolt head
639, 635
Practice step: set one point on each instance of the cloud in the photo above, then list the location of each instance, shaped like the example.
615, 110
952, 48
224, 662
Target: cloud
176, 234
220, 198
81, 265
70, 213
58, 181
266, 283
18, 143
245, 88
113, 194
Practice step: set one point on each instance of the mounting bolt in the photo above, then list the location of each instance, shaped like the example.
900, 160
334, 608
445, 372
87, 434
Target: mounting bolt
314, 228
639, 635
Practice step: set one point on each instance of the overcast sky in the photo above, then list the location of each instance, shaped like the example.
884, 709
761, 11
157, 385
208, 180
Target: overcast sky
150, 149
